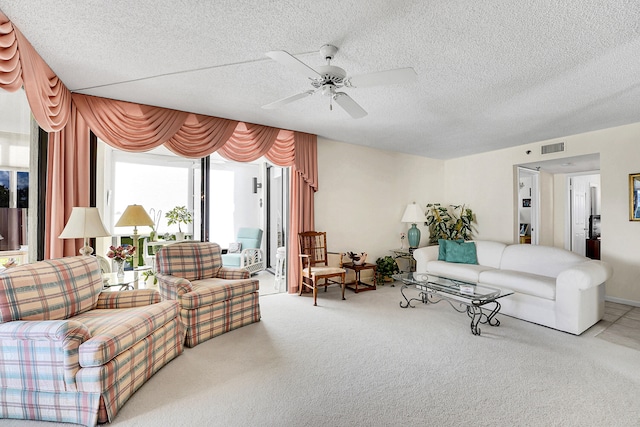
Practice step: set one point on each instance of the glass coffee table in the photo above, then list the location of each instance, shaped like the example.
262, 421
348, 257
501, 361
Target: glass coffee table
480, 302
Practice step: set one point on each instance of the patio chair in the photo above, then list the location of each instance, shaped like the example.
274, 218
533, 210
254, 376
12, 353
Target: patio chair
247, 252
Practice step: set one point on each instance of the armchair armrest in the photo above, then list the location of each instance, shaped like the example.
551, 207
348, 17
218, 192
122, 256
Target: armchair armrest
128, 299
23, 344
304, 263
172, 287
232, 273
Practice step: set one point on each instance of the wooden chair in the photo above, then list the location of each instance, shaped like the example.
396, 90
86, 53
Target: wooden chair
314, 269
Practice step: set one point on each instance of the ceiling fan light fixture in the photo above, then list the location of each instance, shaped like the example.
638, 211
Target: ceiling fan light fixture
328, 90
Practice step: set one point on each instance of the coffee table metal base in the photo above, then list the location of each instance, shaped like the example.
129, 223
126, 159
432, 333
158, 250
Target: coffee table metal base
474, 308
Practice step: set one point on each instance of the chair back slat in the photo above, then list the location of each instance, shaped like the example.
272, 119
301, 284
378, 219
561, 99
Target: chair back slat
314, 244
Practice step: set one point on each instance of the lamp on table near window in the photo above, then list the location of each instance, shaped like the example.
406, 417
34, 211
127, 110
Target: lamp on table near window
135, 215
84, 223
413, 214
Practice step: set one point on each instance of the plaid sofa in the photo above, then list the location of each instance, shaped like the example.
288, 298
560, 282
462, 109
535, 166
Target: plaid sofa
213, 299
71, 353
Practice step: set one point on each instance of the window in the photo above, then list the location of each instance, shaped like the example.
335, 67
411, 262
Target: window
15, 139
156, 180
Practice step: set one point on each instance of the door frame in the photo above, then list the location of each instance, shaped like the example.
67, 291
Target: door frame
568, 222
535, 202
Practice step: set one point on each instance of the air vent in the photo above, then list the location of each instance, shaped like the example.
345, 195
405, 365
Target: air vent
553, 148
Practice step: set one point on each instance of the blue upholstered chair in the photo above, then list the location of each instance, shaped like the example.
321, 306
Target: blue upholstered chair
251, 256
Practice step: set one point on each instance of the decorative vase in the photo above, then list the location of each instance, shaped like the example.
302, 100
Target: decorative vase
120, 268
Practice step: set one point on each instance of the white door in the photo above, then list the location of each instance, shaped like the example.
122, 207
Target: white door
580, 209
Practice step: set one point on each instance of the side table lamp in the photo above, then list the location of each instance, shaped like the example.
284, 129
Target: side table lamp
135, 215
413, 214
84, 223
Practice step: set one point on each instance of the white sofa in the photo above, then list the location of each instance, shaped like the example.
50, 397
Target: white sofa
552, 287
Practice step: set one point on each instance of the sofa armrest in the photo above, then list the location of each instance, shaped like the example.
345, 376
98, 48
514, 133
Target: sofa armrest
23, 345
424, 255
128, 299
233, 273
583, 276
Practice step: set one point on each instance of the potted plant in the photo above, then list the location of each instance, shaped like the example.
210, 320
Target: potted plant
179, 215
449, 223
147, 275
386, 267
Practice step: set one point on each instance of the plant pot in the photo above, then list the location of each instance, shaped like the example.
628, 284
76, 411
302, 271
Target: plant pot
180, 235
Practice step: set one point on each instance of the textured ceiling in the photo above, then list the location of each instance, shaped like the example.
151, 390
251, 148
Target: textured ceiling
491, 74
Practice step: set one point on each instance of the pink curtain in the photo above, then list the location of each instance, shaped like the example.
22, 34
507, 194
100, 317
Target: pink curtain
20, 64
67, 183
303, 185
134, 127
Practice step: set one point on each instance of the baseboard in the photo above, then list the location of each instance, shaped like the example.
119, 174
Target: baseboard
623, 301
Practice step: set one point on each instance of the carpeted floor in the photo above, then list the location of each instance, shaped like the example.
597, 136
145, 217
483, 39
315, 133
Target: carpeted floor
367, 362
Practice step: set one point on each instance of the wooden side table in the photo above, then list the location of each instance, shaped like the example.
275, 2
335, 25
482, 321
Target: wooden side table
358, 285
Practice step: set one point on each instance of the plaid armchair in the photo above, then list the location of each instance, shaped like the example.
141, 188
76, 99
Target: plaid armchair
71, 353
213, 299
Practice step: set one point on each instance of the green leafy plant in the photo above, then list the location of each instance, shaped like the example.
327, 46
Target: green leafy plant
148, 273
453, 222
385, 268
179, 215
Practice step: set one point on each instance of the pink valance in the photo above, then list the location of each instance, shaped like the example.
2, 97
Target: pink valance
134, 127
20, 65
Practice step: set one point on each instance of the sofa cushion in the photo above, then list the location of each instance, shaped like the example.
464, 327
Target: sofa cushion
460, 252
543, 260
209, 291
466, 272
50, 290
520, 282
116, 330
489, 253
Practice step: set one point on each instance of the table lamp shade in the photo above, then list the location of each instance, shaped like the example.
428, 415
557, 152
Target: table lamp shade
84, 223
134, 215
413, 214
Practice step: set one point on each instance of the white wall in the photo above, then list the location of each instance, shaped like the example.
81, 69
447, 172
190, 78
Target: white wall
363, 192
486, 183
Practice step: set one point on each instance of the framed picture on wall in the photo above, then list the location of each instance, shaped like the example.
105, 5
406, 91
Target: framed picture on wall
526, 203
634, 197
524, 229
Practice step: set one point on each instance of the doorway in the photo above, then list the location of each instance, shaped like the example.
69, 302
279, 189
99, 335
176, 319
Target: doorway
528, 206
584, 207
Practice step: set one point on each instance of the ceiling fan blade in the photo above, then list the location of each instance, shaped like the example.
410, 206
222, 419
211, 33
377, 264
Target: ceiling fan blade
287, 100
288, 60
399, 75
349, 105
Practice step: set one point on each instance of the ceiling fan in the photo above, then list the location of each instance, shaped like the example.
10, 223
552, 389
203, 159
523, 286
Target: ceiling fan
328, 79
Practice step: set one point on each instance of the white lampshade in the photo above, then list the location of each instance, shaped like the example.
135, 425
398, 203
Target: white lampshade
134, 215
84, 223
413, 214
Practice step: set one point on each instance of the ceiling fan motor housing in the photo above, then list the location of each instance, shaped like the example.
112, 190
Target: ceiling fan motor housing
330, 75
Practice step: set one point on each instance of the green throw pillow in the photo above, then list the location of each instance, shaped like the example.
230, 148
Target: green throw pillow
442, 249
461, 252
443, 246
